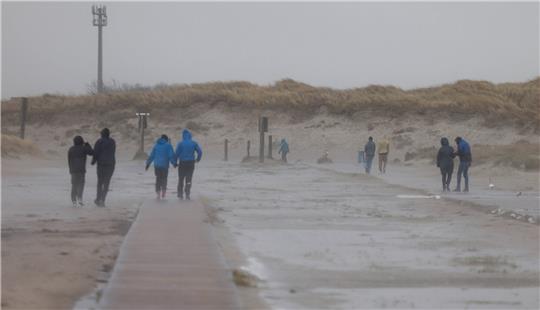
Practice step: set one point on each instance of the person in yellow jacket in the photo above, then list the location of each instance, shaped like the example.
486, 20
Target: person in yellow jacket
384, 149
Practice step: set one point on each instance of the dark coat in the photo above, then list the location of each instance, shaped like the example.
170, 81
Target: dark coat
445, 157
77, 157
104, 151
369, 149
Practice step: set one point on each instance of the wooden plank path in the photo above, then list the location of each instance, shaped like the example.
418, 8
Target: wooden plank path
170, 260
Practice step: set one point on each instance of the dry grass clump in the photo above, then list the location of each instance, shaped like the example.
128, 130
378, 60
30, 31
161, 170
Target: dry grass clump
244, 279
522, 156
517, 103
14, 147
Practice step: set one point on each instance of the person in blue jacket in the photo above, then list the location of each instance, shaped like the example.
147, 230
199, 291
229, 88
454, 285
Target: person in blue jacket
283, 150
465, 160
162, 154
185, 154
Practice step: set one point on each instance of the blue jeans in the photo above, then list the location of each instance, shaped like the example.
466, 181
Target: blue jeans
369, 160
463, 169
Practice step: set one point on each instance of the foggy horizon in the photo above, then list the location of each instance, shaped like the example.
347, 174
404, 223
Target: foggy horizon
52, 47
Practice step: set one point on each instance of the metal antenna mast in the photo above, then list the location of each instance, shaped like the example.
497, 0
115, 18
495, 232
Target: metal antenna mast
100, 20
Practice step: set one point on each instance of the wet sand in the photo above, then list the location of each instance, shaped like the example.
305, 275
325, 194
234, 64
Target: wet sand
318, 238
315, 238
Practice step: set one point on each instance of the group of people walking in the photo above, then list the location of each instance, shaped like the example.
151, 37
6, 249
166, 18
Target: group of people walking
187, 153
103, 155
383, 148
445, 162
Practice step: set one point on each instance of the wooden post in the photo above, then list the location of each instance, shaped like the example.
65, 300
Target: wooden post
261, 147
270, 146
24, 110
248, 146
141, 154
263, 127
226, 150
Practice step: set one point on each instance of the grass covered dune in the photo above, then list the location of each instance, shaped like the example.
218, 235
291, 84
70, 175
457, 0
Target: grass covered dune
515, 104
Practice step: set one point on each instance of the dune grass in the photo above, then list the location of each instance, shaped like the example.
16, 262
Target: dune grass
14, 147
516, 103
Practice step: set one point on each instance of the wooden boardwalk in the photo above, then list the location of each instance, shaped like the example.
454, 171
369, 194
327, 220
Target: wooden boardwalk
170, 260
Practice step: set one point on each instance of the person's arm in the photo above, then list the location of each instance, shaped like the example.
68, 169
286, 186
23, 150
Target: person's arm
97, 151
150, 158
172, 156
178, 152
199, 152
439, 155
70, 162
88, 149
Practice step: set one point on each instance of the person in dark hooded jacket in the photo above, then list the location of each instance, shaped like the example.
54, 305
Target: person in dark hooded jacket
104, 156
77, 168
185, 154
162, 154
445, 161
465, 160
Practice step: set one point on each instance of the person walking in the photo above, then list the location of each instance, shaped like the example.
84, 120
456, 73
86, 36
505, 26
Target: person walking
104, 156
77, 168
283, 150
369, 153
465, 160
383, 148
445, 162
162, 154
185, 154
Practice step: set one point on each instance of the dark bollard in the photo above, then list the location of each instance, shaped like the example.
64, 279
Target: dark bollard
226, 158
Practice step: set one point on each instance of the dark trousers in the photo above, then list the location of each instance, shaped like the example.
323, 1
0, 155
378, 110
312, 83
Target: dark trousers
284, 157
161, 178
463, 170
185, 172
104, 174
369, 161
77, 186
446, 173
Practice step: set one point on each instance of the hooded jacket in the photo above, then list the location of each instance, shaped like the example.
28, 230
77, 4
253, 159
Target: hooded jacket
284, 147
77, 155
104, 150
186, 149
445, 157
464, 151
162, 154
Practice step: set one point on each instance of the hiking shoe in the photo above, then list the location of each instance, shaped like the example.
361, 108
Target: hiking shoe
187, 197
163, 195
81, 204
457, 190
74, 204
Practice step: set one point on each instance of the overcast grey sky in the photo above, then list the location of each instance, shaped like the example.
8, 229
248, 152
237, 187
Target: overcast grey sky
52, 47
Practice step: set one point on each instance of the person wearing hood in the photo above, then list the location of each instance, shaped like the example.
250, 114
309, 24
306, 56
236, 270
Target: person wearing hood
283, 150
465, 160
104, 156
445, 162
77, 168
185, 154
369, 154
162, 154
